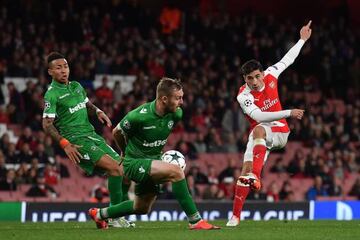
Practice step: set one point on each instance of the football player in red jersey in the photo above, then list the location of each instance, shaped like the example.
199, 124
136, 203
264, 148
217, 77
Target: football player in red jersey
259, 99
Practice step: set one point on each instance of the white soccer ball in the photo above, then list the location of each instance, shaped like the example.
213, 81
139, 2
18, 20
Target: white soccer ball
174, 157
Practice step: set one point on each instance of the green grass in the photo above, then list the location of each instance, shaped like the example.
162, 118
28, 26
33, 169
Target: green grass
248, 230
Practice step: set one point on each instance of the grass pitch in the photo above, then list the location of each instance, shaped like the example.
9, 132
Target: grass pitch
292, 230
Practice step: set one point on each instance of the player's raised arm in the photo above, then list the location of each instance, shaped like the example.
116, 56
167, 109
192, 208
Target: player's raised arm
292, 54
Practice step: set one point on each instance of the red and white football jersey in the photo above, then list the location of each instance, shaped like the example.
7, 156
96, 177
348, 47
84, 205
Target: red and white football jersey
267, 99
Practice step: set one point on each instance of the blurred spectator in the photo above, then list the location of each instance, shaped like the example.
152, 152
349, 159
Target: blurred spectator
229, 170
22, 173
187, 149
104, 93
41, 154
355, 190
4, 142
170, 18
48, 147
27, 137
99, 193
9, 183
233, 121
3, 169
286, 192
51, 175
278, 166
41, 189
199, 143
25, 154
211, 175
193, 189
61, 168
212, 192
117, 92
272, 194
12, 155
335, 188
199, 177
317, 190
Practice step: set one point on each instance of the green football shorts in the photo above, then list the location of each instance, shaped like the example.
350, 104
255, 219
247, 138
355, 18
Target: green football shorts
138, 170
93, 147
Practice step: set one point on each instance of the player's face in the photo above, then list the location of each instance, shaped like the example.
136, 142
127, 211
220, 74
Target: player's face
59, 70
174, 101
255, 80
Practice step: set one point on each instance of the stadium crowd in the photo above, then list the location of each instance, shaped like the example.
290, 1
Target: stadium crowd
206, 53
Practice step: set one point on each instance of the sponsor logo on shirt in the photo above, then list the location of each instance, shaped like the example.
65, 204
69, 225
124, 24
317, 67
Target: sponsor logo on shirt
65, 95
157, 143
269, 103
149, 127
78, 107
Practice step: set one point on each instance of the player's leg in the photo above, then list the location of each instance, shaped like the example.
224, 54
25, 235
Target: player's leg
254, 156
118, 187
241, 192
145, 193
165, 172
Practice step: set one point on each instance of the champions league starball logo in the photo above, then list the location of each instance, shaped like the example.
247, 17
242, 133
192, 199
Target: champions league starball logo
126, 124
47, 105
247, 102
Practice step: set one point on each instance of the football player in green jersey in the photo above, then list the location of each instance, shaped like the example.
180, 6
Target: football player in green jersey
65, 119
141, 136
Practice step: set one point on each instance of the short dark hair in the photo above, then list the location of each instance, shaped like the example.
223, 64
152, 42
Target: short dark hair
166, 86
53, 56
251, 66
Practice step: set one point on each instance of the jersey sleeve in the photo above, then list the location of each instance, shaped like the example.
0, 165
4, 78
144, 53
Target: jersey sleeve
246, 102
129, 124
50, 105
286, 61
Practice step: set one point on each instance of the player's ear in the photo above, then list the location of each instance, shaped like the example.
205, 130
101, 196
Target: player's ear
49, 71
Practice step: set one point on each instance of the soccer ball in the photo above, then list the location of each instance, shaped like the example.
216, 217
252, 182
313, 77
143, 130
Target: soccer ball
174, 157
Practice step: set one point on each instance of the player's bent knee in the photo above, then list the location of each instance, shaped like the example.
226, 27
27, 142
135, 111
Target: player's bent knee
177, 174
259, 132
115, 170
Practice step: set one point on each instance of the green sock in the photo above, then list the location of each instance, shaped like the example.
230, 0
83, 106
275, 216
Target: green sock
115, 189
125, 189
119, 210
182, 194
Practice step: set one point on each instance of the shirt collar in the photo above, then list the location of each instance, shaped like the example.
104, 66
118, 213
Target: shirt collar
55, 83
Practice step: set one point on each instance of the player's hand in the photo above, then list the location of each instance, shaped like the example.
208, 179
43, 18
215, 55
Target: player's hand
305, 31
297, 113
72, 152
103, 118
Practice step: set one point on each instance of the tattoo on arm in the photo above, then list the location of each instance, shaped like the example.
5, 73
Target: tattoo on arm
120, 139
91, 108
49, 128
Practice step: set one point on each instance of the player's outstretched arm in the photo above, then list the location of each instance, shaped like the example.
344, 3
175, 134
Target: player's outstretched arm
103, 118
291, 55
71, 150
